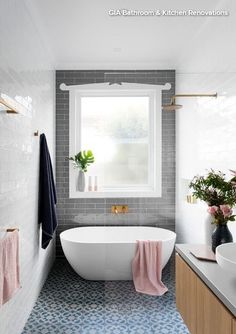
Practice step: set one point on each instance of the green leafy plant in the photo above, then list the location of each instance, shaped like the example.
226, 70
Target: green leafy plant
82, 160
218, 193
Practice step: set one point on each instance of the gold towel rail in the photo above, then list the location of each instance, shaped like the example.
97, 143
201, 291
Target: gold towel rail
11, 229
9, 109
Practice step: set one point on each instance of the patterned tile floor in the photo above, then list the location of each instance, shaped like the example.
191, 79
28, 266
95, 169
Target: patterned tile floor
70, 305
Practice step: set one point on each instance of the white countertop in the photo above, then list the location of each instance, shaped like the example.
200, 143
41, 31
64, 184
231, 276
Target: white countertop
221, 282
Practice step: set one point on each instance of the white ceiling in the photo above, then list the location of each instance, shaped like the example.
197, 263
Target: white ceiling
81, 35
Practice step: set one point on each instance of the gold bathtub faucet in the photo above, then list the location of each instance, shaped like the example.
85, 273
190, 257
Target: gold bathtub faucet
116, 209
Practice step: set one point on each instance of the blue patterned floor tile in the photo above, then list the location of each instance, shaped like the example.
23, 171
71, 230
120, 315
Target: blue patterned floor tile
116, 329
69, 304
92, 329
50, 328
140, 329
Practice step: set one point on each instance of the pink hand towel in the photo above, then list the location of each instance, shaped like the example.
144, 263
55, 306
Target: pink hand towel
9, 266
146, 267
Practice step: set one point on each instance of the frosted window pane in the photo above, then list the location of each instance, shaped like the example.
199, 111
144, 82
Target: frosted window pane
116, 129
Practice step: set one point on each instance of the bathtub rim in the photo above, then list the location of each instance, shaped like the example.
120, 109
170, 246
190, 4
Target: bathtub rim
61, 235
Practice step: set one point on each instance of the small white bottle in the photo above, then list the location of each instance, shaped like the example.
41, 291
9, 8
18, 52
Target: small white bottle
95, 183
90, 188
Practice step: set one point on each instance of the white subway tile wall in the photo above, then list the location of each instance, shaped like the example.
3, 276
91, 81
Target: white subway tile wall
142, 211
206, 139
25, 73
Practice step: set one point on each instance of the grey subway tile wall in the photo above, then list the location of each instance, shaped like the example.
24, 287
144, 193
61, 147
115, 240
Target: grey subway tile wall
73, 212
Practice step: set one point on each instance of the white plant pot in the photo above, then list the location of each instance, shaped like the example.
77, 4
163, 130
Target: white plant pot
81, 181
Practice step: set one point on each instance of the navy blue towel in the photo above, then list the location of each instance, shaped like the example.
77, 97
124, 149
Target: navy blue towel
47, 194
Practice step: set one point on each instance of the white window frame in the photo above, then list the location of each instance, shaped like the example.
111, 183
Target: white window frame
154, 92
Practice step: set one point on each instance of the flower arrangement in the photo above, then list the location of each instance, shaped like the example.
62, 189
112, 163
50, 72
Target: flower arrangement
82, 160
218, 193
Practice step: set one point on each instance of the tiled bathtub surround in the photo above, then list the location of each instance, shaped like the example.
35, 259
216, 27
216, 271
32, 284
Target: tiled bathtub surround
142, 211
70, 305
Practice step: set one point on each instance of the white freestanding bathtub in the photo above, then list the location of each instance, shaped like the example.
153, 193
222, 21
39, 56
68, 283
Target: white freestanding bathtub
106, 252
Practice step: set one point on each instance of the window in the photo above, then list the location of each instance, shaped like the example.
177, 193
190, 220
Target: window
121, 124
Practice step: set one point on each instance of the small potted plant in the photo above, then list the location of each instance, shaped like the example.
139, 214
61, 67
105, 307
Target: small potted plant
220, 196
82, 160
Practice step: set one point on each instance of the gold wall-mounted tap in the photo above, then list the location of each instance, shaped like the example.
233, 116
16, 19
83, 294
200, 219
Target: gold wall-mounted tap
116, 209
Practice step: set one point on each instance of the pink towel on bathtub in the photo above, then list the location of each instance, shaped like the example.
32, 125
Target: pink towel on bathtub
146, 267
9, 266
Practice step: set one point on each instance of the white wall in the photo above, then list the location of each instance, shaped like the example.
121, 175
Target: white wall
206, 138
24, 72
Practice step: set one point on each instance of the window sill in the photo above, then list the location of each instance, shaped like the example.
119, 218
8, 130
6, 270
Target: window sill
113, 194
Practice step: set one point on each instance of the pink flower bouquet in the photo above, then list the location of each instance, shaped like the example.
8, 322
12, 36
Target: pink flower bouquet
218, 193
